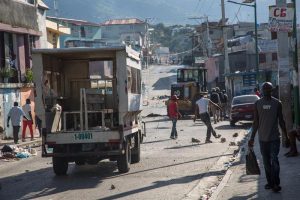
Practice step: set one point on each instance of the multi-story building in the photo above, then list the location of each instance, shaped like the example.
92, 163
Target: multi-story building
125, 31
83, 33
22, 28
20, 31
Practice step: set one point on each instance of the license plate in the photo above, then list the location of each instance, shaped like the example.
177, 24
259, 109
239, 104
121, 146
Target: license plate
248, 116
83, 136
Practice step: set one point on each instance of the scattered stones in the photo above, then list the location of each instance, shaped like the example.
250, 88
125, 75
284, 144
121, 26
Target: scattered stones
235, 135
194, 140
153, 115
223, 140
112, 187
232, 144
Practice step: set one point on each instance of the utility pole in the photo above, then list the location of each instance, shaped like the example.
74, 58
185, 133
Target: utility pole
296, 70
208, 45
226, 58
284, 73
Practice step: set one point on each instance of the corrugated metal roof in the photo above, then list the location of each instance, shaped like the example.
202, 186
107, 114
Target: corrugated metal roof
123, 21
74, 21
42, 5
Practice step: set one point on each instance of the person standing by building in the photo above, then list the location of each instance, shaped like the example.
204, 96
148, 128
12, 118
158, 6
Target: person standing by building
15, 114
202, 107
225, 104
256, 91
214, 97
221, 97
27, 122
267, 115
174, 115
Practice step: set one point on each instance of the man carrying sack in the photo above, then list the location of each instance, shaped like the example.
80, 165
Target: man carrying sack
267, 115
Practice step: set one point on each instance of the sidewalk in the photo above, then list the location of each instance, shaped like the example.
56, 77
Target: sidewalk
237, 185
36, 142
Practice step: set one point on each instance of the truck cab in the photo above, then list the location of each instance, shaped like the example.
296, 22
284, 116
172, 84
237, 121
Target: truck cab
191, 81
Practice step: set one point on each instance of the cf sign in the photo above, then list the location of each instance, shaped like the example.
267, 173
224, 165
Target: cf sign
279, 12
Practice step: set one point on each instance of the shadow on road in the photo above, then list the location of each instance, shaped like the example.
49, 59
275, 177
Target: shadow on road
166, 183
156, 141
43, 182
186, 146
250, 196
164, 83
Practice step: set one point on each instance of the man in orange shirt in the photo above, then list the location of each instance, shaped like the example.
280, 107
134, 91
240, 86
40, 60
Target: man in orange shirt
174, 114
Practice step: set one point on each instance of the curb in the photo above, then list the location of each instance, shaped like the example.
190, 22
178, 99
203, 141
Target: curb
197, 191
35, 143
229, 172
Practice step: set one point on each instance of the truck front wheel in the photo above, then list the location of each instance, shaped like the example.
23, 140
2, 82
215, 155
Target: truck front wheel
136, 151
124, 160
60, 166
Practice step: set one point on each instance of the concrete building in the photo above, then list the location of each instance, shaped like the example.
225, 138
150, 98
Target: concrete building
21, 30
83, 33
161, 55
54, 32
130, 31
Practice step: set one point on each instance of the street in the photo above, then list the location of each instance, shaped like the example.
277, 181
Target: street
169, 169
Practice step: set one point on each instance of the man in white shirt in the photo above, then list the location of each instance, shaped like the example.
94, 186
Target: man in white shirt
27, 122
202, 107
15, 114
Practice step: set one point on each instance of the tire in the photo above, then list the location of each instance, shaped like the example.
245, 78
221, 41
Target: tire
124, 160
60, 166
136, 151
232, 123
79, 162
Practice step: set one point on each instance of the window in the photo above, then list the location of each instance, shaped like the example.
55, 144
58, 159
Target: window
133, 80
262, 58
82, 32
274, 56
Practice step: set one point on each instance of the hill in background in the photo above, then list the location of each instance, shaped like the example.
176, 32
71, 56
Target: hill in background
167, 11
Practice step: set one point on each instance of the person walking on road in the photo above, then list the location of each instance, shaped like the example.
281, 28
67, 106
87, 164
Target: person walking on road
174, 114
267, 115
221, 98
225, 104
214, 97
29, 121
202, 107
15, 115
256, 91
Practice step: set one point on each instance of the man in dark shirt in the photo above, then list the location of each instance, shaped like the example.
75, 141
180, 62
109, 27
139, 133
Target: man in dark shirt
214, 97
267, 115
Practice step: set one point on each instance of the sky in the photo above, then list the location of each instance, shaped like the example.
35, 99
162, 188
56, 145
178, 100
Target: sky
234, 12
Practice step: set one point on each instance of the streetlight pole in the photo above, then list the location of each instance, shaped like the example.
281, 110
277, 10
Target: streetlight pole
246, 3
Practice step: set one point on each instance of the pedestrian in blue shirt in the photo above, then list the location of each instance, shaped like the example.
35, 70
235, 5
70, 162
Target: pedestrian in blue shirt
15, 114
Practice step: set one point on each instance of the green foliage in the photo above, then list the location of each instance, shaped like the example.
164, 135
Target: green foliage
6, 72
29, 76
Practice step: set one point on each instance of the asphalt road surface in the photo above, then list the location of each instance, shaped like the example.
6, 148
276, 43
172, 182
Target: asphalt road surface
169, 169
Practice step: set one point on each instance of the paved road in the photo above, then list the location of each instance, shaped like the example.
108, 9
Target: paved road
169, 169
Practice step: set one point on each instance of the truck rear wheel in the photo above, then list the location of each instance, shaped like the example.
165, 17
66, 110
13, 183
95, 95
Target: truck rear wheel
60, 166
124, 160
136, 151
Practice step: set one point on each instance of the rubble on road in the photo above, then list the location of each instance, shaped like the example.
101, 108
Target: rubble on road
153, 115
235, 135
232, 144
194, 140
223, 140
14, 153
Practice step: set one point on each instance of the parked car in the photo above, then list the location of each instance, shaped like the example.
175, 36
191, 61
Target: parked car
242, 108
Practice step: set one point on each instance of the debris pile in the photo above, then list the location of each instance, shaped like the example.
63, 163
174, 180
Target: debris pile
12, 152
